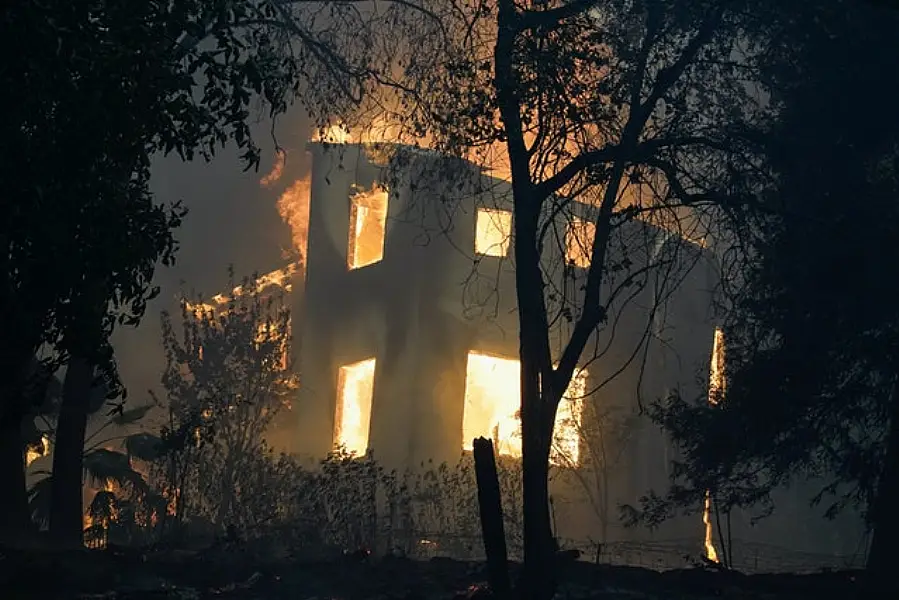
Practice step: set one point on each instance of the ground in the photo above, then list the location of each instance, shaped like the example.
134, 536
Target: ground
229, 574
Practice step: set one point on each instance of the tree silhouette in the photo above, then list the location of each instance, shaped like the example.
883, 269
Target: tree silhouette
96, 91
620, 114
812, 345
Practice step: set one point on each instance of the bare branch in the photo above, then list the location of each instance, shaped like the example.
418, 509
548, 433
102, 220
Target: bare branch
574, 167
547, 20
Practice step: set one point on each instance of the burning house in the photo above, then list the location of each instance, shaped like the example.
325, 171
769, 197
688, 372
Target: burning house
409, 338
406, 343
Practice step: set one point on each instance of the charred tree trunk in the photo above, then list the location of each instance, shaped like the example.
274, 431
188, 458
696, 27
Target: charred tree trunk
538, 581
66, 504
491, 511
881, 558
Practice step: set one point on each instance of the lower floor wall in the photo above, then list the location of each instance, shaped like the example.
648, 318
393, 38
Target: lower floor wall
415, 407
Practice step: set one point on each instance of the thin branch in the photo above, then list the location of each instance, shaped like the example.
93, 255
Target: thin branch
575, 166
669, 75
547, 20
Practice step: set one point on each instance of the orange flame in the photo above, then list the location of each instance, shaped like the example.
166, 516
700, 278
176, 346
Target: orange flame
293, 206
355, 389
280, 278
33, 453
716, 374
716, 391
380, 129
368, 223
710, 551
492, 409
333, 134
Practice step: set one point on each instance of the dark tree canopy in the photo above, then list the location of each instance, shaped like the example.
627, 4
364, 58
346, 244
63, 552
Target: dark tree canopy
813, 335
96, 90
91, 91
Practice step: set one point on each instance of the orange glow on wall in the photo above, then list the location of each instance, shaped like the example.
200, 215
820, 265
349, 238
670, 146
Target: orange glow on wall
579, 242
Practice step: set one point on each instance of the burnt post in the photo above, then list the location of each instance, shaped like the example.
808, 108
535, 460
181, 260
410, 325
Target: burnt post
491, 512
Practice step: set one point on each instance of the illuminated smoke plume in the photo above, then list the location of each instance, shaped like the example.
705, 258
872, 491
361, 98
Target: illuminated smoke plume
277, 170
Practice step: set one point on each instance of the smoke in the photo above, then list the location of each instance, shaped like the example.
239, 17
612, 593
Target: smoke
232, 221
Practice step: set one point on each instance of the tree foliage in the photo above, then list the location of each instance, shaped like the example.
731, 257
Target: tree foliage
226, 378
628, 114
97, 91
811, 337
105, 465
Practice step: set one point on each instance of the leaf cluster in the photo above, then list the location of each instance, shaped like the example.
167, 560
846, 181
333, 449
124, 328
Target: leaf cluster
812, 345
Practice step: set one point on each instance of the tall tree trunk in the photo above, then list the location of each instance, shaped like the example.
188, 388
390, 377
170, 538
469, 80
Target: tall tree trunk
538, 577
223, 513
881, 558
538, 581
66, 505
14, 520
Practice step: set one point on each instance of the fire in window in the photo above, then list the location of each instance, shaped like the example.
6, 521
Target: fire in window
493, 232
368, 223
579, 242
355, 389
492, 401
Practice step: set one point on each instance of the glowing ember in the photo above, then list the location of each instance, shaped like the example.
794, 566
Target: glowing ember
172, 497
293, 206
277, 170
492, 401
368, 223
35, 452
355, 389
579, 242
493, 232
716, 393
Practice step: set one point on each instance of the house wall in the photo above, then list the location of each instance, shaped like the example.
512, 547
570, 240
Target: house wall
430, 301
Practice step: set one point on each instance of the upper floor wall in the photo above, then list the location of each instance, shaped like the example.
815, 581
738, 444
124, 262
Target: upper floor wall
428, 226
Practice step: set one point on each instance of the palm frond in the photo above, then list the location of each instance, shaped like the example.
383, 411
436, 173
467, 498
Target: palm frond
144, 446
131, 415
102, 465
39, 501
